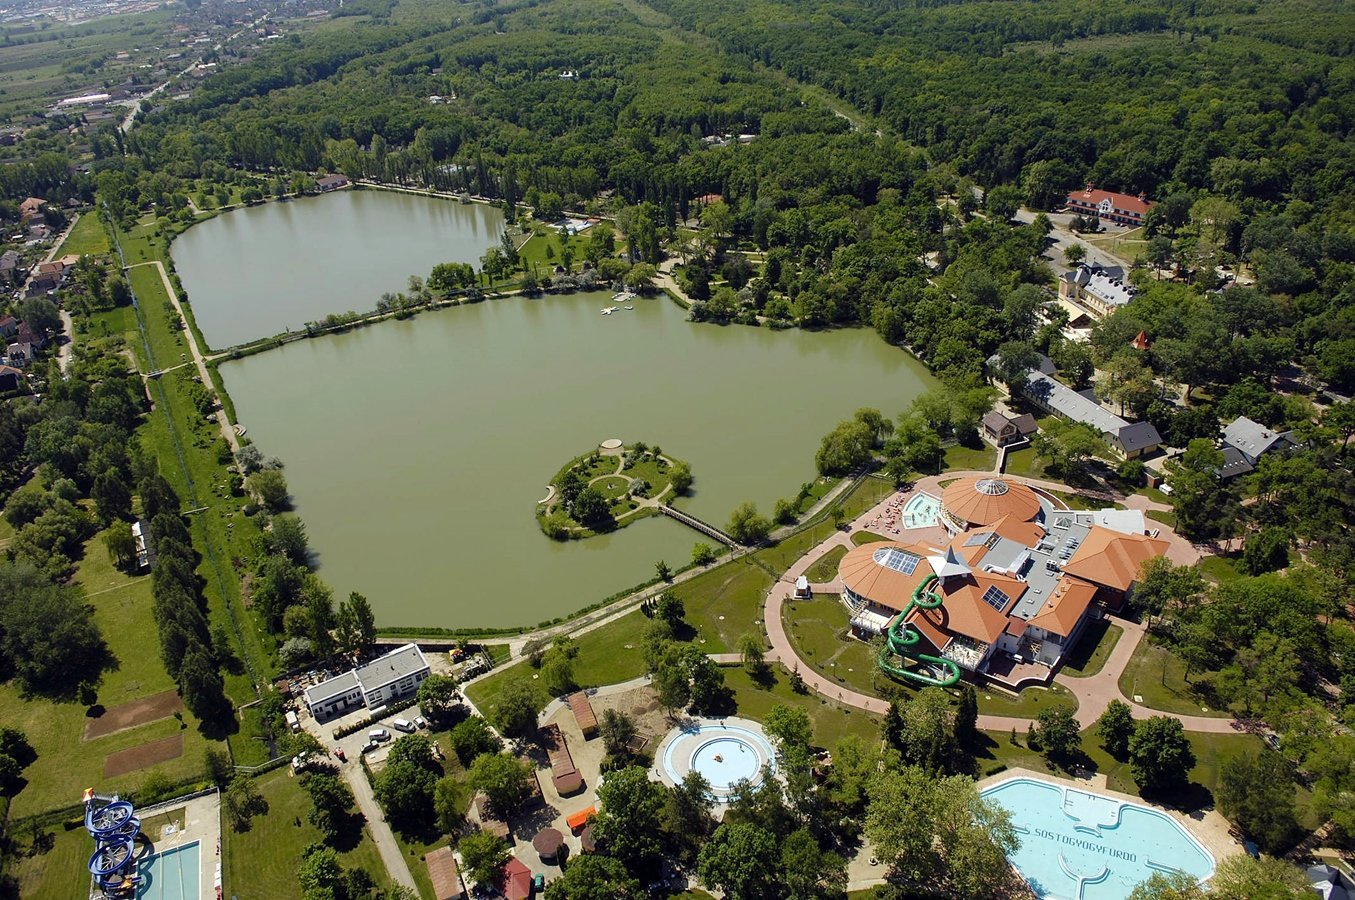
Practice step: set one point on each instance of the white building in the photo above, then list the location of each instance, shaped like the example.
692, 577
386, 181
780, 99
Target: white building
380, 681
393, 675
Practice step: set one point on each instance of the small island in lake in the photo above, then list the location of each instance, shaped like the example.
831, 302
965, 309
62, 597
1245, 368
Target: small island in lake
611, 487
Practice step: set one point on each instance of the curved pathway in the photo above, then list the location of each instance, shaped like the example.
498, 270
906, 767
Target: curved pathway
1093, 693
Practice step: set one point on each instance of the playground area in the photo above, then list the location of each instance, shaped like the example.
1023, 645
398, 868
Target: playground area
725, 751
155, 853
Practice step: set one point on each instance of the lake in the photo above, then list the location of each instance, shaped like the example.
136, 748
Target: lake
416, 450
252, 273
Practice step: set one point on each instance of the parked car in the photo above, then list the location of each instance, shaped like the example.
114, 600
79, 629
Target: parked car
403, 725
379, 734
420, 722
370, 746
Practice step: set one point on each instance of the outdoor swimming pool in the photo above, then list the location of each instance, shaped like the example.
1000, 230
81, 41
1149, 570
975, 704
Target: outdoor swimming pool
171, 875
723, 752
1077, 845
921, 511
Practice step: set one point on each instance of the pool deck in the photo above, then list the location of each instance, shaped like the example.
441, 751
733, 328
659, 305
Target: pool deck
195, 819
1208, 827
684, 733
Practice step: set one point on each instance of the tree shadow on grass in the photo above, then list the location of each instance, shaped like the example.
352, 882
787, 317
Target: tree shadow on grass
348, 834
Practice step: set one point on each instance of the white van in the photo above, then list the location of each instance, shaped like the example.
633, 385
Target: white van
379, 734
293, 722
403, 725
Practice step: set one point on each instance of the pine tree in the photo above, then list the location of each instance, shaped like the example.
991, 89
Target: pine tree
892, 730
967, 718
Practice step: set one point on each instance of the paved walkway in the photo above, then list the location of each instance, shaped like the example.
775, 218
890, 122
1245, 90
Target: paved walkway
1093, 693
386, 845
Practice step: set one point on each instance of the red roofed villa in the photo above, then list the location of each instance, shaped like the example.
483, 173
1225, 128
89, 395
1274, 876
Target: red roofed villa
1018, 586
1122, 208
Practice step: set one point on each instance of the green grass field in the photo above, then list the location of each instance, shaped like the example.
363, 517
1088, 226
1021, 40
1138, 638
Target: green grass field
1219, 569
88, 237
829, 720
1027, 704
260, 864
1211, 751
60, 872
962, 459
817, 629
867, 537
1093, 649
825, 569
66, 763
1158, 676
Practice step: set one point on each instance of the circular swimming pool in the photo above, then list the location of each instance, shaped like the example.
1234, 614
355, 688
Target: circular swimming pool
724, 751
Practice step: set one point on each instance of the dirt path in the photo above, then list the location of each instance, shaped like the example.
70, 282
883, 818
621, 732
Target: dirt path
227, 432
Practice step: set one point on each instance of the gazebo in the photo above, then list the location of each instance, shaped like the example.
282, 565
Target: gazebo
547, 843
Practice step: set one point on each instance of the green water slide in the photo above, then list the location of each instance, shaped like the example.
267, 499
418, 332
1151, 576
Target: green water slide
901, 638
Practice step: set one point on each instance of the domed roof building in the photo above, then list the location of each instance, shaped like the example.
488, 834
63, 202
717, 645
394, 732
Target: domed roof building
975, 502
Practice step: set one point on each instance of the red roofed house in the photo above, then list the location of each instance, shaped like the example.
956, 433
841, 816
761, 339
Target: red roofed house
1122, 208
516, 880
31, 208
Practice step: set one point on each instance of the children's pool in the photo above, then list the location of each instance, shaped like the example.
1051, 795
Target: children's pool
171, 875
1077, 845
724, 752
921, 511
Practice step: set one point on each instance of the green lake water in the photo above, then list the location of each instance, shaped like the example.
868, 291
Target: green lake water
255, 272
417, 450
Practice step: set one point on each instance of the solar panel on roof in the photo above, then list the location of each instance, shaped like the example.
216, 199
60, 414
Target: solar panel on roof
996, 598
898, 560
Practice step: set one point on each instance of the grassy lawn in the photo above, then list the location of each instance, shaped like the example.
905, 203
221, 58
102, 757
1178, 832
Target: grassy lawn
86, 238
193, 458
1155, 495
1093, 649
1028, 704
867, 537
66, 763
1219, 568
829, 720
826, 568
59, 873
1024, 462
1211, 751
1158, 676
260, 864
1166, 518
960, 458
818, 630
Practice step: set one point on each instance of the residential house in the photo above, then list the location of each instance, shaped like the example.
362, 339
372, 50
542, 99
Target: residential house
11, 267
329, 183
1099, 290
31, 208
20, 354
1129, 440
515, 880
8, 326
41, 285
1252, 440
1002, 431
28, 335
11, 379
1124, 209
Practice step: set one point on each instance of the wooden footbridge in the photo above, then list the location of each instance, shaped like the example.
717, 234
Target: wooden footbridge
705, 528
